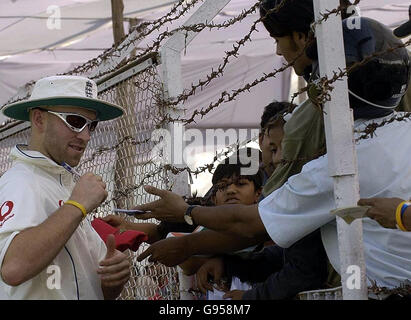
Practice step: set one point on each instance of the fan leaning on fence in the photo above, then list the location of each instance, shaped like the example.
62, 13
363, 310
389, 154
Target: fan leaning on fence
392, 212
43, 232
305, 201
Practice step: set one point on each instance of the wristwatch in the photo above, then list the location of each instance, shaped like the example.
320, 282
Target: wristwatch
187, 215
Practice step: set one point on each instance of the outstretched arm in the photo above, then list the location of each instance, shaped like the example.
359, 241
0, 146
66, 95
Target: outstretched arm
240, 220
175, 250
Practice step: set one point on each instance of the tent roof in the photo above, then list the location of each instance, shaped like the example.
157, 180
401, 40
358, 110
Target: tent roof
31, 49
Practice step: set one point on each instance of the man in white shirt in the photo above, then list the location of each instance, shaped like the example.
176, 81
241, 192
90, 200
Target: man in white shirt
48, 250
304, 202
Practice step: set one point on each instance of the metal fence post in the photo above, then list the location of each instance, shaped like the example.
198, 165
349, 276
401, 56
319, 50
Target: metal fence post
170, 55
340, 147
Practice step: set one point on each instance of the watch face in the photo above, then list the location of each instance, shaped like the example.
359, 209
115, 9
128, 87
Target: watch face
188, 219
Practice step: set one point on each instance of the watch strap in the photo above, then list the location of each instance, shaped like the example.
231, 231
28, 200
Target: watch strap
188, 211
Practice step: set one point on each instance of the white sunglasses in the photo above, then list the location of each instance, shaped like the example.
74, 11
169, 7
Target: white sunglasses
74, 121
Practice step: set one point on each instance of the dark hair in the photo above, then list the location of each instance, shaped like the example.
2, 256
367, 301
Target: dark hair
384, 79
198, 201
273, 110
292, 15
231, 167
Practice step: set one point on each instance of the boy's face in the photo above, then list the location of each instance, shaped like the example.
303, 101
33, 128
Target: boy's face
236, 191
266, 153
270, 145
275, 136
291, 47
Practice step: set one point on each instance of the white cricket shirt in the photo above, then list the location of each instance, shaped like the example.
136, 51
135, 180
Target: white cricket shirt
30, 192
304, 202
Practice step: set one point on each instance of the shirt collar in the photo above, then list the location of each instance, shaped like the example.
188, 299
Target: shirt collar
361, 124
21, 153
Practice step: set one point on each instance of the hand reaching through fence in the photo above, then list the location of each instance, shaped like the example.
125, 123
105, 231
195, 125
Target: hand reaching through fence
214, 269
170, 252
116, 221
234, 295
171, 207
148, 228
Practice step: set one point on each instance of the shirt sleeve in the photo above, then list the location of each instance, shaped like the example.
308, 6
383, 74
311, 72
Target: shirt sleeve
300, 206
98, 248
21, 208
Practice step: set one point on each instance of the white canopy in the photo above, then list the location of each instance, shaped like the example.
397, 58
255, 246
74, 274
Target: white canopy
34, 45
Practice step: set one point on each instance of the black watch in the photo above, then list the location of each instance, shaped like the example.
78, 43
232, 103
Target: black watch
187, 215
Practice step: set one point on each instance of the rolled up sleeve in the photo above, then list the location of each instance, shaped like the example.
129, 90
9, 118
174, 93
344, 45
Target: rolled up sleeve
300, 206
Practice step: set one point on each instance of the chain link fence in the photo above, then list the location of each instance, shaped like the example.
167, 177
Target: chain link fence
120, 152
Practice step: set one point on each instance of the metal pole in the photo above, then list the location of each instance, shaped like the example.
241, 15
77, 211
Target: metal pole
117, 8
341, 152
170, 55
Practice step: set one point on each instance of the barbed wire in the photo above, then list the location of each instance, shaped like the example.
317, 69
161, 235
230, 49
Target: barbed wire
324, 85
233, 53
403, 290
143, 28
370, 129
154, 47
192, 28
126, 140
142, 31
226, 97
157, 43
175, 170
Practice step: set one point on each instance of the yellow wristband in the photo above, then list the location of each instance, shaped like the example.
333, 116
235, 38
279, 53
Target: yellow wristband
398, 217
77, 205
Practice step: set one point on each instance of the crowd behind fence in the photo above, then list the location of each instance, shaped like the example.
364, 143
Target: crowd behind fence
121, 150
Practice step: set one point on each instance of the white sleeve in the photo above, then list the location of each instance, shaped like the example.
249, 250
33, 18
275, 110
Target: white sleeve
21, 207
300, 206
98, 248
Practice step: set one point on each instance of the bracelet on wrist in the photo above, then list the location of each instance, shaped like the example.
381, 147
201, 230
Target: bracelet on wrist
77, 205
403, 210
399, 213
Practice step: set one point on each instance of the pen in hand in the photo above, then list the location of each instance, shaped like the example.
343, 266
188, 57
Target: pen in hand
71, 169
129, 212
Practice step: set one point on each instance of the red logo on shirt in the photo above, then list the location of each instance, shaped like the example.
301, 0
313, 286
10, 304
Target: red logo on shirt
5, 211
